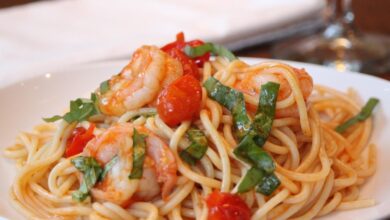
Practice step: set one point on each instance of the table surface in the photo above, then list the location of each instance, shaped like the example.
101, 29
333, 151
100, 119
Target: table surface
370, 16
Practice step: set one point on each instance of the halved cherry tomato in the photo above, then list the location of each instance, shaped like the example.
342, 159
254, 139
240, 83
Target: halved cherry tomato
226, 206
78, 139
175, 50
180, 101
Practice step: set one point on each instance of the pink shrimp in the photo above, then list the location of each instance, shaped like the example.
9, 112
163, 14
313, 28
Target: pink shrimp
252, 82
139, 83
159, 167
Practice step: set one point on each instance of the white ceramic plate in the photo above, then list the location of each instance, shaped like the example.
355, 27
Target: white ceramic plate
24, 104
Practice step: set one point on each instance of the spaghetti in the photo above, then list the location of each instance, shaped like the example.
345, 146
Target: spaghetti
319, 169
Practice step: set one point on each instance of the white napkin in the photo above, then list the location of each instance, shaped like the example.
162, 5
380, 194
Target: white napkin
39, 37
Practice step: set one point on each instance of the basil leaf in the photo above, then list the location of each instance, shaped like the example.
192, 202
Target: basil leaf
53, 119
252, 135
80, 109
91, 170
268, 184
363, 115
108, 167
252, 177
139, 151
232, 100
198, 147
249, 151
262, 123
104, 87
215, 49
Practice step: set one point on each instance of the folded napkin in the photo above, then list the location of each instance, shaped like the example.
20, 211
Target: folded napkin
39, 37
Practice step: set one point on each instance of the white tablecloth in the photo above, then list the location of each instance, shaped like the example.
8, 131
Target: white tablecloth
37, 37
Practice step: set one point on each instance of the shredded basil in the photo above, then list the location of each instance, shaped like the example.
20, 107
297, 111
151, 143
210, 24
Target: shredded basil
363, 115
215, 49
198, 147
108, 167
91, 170
232, 100
262, 123
268, 184
252, 135
80, 109
252, 178
248, 151
104, 86
139, 151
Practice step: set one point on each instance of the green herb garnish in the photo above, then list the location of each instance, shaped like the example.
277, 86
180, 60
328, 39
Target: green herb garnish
232, 100
268, 184
252, 177
91, 170
262, 123
104, 86
80, 109
363, 115
139, 151
215, 49
252, 135
198, 147
108, 167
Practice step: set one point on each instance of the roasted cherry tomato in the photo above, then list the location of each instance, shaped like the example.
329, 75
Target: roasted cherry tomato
78, 139
175, 50
226, 206
189, 66
180, 101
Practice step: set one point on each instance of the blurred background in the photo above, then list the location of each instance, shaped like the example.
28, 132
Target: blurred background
37, 36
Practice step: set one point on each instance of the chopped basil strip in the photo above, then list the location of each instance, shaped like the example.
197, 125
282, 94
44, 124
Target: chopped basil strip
104, 86
233, 101
91, 170
215, 49
252, 177
198, 147
53, 119
108, 167
250, 152
268, 184
80, 110
139, 151
363, 115
264, 118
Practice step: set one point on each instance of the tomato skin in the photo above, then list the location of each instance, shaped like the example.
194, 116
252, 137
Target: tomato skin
175, 50
226, 206
189, 66
78, 139
180, 101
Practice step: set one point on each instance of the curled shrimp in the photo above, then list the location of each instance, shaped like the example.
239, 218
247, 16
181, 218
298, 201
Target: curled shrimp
138, 84
251, 83
159, 168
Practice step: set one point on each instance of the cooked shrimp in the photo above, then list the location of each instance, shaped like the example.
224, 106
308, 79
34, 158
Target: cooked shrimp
252, 82
139, 83
159, 168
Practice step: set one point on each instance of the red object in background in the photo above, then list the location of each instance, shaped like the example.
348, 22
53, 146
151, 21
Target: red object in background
190, 65
78, 139
226, 206
180, 101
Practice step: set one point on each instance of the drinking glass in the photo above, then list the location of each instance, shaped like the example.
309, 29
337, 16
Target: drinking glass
340, 44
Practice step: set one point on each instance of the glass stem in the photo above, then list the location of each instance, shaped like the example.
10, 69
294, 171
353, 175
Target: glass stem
340, 18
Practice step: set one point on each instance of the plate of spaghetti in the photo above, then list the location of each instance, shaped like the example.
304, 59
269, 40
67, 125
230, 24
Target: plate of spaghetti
190, 131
